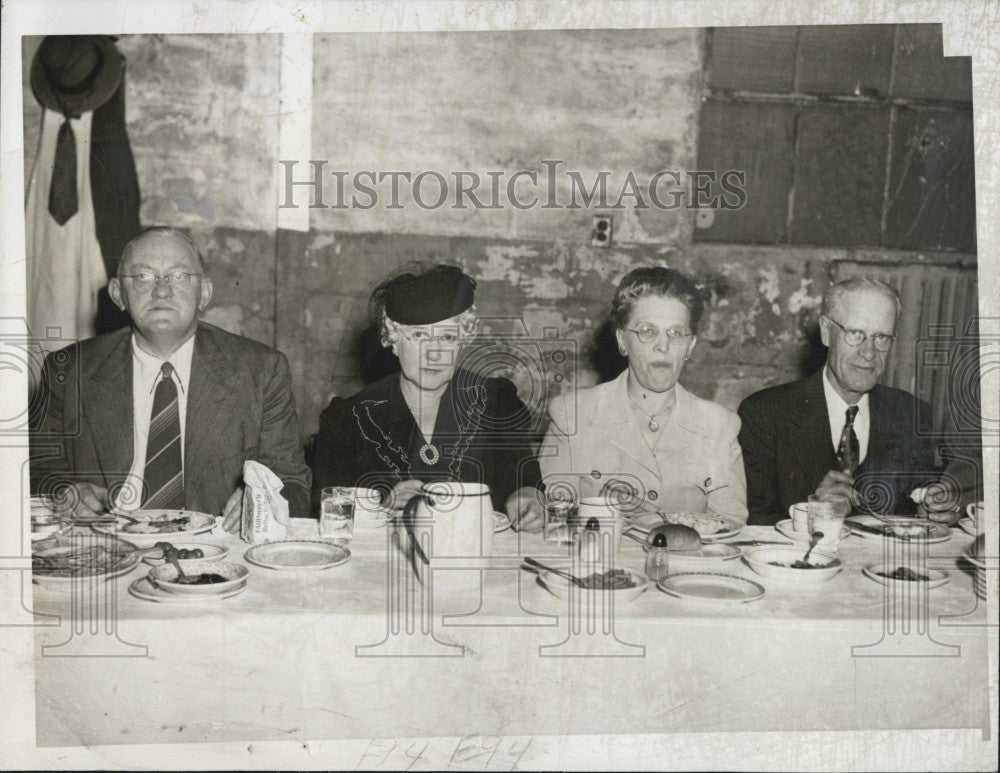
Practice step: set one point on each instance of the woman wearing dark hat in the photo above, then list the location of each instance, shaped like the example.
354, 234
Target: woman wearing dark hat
433, 420
644, 432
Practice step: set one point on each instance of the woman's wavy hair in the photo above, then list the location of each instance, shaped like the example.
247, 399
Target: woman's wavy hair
656, 282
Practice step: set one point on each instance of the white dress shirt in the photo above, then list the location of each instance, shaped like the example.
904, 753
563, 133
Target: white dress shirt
145, 376
837, 409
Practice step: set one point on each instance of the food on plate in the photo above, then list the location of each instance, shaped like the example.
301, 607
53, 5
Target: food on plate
205, 578
78, 560
904, 573
705, 525
799, 564
163, 524
679, 536
616, 579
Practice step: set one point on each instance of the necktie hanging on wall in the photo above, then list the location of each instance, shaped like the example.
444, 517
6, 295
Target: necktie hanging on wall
63, 202
83, 197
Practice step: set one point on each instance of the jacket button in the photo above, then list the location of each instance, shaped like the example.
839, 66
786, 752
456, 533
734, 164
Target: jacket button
595, 474
652, 496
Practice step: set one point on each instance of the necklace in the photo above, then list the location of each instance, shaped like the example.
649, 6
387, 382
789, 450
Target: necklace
654, 425
428, 452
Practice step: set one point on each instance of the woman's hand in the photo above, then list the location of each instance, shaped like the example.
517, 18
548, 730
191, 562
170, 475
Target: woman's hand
402, 493
525, 509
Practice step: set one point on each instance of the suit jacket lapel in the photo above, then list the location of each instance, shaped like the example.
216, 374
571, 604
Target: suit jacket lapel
623, 428
107, 406
809, 437
880, 433
212, 381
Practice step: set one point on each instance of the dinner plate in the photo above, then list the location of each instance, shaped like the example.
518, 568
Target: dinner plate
871, 527
297, 554
708, 553
145, 590
213, 551
53, 567
935, 577
709, 527
559, 586
124, 526
786, 528
501, 521
715, 588
966, 524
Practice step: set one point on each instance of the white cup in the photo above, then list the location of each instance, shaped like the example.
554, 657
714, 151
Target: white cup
976, 511
799, 513
609, 518
454, 521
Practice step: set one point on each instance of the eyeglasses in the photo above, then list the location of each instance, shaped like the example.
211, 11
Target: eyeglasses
423, 336
648, 333
144, 280
853, 337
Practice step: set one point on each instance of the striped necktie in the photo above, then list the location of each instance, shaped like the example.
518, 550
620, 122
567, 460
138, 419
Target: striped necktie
164, 474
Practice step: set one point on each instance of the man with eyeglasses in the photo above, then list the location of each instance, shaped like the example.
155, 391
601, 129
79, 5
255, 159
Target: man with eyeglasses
163, 415
838, 434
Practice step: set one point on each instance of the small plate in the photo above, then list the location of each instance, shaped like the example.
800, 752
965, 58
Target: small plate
970, 556
966, 524
501, 521
559, 586
297, 555
145, 590
709, 527
715, 588
935, 577
922, 531
125, 525
165, 577
786, 528
213, 552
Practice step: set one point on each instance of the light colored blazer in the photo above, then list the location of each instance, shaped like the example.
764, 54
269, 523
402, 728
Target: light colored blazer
697, 468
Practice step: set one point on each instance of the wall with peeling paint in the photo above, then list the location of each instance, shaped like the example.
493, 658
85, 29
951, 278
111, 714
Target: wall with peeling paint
203, 120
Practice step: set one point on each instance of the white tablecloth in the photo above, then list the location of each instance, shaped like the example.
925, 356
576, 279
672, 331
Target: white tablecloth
313, 655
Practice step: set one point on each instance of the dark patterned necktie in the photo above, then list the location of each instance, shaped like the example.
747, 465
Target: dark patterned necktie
62, 191
849, 450
164, 474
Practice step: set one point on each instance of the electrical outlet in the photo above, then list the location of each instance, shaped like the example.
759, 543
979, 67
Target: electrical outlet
600, 236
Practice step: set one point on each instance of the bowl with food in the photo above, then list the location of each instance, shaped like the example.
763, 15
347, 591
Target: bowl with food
890, 574
777, 562
203, 552
200, 579
623, 584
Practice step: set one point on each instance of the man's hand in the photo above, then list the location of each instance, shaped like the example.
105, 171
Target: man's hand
837, 487
83, 500
938, 502
232, 513
525, 509
402, 493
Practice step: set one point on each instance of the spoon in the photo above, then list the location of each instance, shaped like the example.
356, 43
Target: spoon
171, 556
813, 541
538, 564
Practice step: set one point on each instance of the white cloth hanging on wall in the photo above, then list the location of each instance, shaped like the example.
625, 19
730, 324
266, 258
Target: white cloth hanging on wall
65, 267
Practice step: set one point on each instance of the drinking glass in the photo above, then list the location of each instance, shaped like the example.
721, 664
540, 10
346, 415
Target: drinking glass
336, 515
560, 510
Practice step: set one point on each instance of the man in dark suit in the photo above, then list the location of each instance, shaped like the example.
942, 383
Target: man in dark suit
838, 434
164, 414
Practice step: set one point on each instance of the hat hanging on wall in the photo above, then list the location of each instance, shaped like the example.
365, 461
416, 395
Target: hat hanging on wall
76, 73
73, 74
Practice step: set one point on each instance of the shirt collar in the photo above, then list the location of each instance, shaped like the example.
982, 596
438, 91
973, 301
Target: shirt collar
836, 404
149, 365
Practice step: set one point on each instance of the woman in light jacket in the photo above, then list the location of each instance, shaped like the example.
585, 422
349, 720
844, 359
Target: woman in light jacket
644, 432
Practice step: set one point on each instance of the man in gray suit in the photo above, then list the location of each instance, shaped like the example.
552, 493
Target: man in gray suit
164, 414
